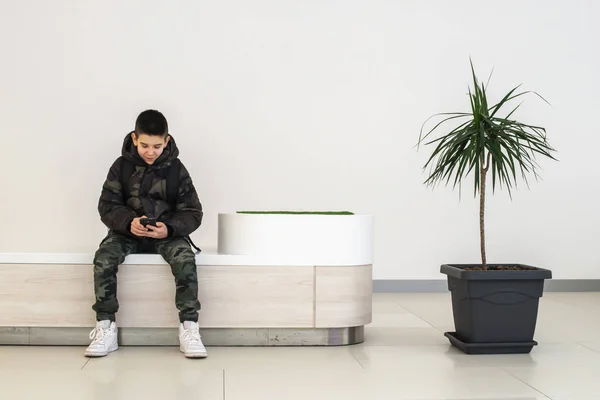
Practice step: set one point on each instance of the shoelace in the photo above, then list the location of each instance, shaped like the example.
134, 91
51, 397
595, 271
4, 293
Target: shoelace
98, 334
191, 335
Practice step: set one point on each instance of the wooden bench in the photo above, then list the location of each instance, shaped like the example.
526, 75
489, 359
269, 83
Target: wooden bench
274, 298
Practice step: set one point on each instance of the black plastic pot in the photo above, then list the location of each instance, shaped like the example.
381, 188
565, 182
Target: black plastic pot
495, 311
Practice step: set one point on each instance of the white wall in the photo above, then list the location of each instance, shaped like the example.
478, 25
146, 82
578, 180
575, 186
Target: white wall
300, 104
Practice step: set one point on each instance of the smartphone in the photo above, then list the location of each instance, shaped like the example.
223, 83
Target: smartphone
148, 221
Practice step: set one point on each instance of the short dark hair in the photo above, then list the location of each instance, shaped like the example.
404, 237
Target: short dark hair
151, 122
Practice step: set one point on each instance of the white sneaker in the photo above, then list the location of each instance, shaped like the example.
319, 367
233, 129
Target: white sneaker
190, 343
104, 339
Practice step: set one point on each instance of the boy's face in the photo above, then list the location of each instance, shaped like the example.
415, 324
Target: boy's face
149, 147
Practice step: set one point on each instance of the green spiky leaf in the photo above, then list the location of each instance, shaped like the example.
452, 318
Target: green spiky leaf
512, 146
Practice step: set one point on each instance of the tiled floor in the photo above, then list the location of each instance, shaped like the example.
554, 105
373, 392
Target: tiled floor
405, 356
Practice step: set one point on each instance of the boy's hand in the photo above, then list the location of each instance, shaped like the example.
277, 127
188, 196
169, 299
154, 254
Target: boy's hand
138, 229
159, 231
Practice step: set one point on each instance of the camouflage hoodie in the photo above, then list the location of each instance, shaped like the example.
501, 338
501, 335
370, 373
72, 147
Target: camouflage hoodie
148, 194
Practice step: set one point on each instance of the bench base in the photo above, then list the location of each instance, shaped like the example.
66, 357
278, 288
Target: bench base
52, 336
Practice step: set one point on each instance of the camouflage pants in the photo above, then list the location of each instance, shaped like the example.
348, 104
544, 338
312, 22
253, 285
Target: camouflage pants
176, 252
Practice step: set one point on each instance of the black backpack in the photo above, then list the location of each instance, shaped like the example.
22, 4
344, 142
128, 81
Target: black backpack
172, 176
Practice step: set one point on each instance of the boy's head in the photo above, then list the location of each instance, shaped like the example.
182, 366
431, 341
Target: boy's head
151, 135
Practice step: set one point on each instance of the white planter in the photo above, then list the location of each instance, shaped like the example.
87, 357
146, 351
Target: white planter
316, 239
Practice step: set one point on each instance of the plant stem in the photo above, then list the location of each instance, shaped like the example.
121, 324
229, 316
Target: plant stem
483, 173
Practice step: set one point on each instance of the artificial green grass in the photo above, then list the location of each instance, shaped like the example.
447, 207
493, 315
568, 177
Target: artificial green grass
299, 212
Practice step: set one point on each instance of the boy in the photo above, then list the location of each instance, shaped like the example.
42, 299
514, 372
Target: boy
137, 187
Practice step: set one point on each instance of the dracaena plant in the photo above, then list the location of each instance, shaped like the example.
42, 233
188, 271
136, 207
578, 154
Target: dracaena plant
485, 140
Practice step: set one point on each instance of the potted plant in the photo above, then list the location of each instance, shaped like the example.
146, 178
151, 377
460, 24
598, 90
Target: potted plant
495, 306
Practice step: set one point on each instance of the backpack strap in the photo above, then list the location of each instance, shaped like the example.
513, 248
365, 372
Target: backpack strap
173, 183
173, 192
125, 176
189, 239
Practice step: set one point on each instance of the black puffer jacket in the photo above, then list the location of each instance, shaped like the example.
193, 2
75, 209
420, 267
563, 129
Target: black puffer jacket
148, 194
